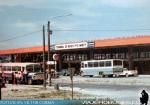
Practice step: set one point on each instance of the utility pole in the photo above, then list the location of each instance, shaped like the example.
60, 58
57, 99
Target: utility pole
0, 92
72, 83
49, 68
44, 64
72, 70
49, 31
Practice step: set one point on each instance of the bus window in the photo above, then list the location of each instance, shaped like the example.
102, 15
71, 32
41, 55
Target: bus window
34, 68
117, 63
101, 64
90, 64
8, 68
30, 68
37, 68
108, 63
82, 65
95, 64
85, 65
4, 68
16, 68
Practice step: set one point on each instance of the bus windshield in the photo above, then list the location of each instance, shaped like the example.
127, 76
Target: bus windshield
33, 68
117, 63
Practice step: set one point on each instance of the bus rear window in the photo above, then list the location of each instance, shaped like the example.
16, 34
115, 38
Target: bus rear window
117, 63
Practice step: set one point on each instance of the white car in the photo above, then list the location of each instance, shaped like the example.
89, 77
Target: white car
128, 73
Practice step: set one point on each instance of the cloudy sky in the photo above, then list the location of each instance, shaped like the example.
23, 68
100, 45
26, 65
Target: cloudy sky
94, 19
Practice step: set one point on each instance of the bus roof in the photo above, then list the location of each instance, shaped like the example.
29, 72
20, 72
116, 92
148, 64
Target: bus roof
18, 64
102, 60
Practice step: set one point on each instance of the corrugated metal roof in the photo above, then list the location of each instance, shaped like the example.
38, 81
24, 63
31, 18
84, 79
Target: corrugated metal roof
22, 50
124, 41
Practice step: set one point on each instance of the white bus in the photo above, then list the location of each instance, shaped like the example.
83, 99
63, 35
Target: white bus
109, 67
23, 72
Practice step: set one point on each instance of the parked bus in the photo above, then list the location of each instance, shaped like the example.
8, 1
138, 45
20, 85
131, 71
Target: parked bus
23, 72
109, 67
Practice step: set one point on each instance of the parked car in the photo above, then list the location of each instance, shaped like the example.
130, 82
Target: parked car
128, 73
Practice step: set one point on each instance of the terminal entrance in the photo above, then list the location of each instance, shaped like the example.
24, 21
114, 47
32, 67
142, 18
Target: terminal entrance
143, 67
75, 65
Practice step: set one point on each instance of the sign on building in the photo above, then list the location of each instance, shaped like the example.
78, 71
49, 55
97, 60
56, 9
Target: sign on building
50, 62
55, 57
74, 45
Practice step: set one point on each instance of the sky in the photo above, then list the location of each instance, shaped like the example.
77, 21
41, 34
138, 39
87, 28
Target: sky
94, 19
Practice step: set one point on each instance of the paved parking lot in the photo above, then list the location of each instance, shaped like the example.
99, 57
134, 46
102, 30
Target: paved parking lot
141, 80
125, 91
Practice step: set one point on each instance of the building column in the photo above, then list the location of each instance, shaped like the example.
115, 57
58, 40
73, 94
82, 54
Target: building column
60, 62
12, 58
18, 58
130, 58
91, 54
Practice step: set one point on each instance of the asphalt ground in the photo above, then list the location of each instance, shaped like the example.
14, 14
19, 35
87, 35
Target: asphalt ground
125, 90
141, 80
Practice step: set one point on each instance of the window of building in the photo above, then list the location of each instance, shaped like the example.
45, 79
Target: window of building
80, 57
67, 57
108, 56
71, 57
83, 57
142, 55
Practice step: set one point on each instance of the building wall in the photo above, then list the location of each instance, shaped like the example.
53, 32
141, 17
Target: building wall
135, 57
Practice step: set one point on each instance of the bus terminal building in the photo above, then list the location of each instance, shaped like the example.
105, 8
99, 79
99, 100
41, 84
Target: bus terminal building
135, 51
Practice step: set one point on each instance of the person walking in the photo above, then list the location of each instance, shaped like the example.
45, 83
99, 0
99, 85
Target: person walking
145, 97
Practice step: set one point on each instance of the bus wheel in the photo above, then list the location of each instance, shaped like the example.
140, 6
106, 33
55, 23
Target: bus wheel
114, 75
29, 81
18, 81
7, 81
127, 75
101, 76
82, 75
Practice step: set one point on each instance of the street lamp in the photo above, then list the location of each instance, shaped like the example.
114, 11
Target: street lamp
49, 31
49, 68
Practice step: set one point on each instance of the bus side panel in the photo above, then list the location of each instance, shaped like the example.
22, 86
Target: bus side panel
97, 71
